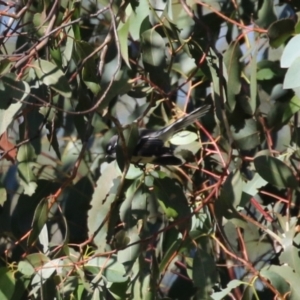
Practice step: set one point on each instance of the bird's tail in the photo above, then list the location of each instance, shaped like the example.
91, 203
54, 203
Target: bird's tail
167, 132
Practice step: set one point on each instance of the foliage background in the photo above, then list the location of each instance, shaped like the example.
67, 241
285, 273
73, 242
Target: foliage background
223, 225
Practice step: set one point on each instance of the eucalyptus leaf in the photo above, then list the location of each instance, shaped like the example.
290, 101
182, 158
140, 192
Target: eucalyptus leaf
275, 171
39, 220
7, 283
291, 52
280, 31
51, 75
183, 138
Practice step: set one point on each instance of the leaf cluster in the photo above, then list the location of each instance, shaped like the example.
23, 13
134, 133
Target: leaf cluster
224, 225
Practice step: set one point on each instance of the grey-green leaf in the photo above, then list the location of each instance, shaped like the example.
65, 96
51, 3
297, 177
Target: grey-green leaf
52, 76
275, 171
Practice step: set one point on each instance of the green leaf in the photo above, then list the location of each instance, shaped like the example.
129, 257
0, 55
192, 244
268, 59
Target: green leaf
230, 196
26, 268
253, 84
289, 54
153, 48
103, 197
131, 136
22, 284
266, 15
37, 260
142, 288
204, 273
68, 286
26, 156
51, 75
292, 76
183, 138
56, 55
233, 66
7, 283
275, 171
292, 107
120, 86
136, 19
133, 172
265, 74
277, 277
112, 270
123, 38
171, 199
172, 244
39, 220
52, 138
280, 277
129, 255
3, 194
68, 51
247, 137
4, 65
252, 187
230, 286
40, 22
82, 49
46, 271
12, 92
118, 289
89, 71
212, 62
90, 77
290, 252
280, 31
181, 18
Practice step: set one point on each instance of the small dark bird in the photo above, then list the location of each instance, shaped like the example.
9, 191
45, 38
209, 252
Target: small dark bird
151, 148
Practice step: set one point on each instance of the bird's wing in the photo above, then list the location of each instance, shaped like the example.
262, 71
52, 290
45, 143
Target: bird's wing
167, 132
149, 147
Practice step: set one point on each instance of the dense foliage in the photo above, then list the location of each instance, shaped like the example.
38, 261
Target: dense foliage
224, 224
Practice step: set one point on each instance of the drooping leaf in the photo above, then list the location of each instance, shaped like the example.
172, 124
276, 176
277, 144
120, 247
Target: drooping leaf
292, 108
39, 219
26, 268
102, 200
290, 252
230, 196
51, 75
204, 273
123, 31
231, 285
25, 157
12, 93
46, 271
277, 275
172, 200
266, 15
153, 48
3, 194
275, 171
183, 138
110, 268
280, 31
292, 76
131, 138
247, 137
90, 77
290, 52
231, 60
7, 283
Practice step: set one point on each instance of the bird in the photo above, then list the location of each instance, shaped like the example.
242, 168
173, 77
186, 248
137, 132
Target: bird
150, 147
